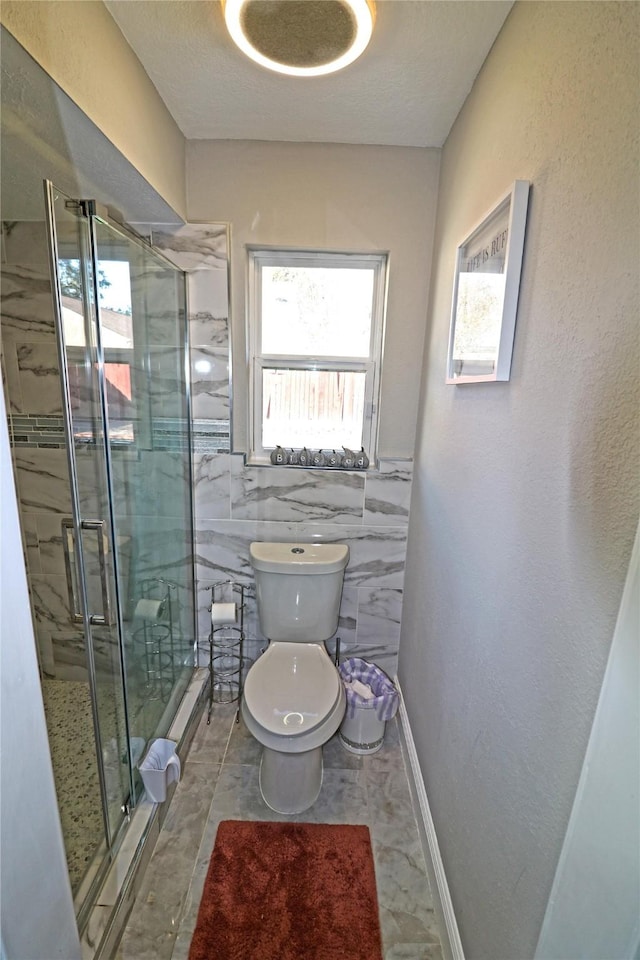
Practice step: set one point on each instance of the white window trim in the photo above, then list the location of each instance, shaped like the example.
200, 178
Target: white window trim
371, 365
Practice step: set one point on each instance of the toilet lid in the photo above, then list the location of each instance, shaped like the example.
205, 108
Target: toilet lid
292, 687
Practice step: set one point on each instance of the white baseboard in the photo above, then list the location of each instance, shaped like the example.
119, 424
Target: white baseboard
453, 949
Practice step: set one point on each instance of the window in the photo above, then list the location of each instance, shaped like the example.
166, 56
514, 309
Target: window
316, 326
114, 291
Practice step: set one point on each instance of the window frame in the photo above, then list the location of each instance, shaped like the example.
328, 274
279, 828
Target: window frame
371, 364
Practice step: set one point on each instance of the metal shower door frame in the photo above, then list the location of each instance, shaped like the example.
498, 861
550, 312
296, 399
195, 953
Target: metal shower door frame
83, 614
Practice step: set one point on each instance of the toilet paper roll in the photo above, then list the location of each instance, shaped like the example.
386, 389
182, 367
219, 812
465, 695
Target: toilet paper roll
223, 613
149, 609
362, 689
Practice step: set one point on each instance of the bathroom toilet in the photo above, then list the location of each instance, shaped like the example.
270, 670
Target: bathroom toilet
293, 699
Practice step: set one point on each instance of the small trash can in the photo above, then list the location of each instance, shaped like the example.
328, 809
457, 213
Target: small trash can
160, 767
372, 699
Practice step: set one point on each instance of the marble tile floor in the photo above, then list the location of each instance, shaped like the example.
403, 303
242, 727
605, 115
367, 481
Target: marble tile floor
220, 781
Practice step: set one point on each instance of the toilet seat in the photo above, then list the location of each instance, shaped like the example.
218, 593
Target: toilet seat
292, 688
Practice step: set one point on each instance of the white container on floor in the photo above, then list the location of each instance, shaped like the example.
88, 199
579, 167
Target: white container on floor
160, 767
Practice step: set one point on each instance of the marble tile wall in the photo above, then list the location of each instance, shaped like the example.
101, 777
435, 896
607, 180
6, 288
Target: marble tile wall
236, 503
31, 379
32, 385
307, 506
149, 483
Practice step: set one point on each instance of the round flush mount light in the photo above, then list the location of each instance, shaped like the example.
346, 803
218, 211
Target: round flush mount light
300, 38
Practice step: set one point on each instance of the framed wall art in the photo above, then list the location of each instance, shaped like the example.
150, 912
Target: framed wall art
485, 292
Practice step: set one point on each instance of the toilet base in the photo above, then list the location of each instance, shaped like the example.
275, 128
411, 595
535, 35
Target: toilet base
290, 782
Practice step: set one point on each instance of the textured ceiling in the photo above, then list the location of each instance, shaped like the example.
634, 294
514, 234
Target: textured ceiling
406, 89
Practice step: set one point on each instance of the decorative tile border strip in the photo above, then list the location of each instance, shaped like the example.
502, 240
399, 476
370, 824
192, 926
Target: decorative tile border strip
37, 431
211, 436
168, 433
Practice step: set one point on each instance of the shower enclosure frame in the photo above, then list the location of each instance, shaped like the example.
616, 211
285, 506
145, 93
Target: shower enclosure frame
112, 613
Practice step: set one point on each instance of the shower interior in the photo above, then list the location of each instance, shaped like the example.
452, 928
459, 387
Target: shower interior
94, 357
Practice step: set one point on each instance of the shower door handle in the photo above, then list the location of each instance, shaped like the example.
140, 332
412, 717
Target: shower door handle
104, 619
71, 568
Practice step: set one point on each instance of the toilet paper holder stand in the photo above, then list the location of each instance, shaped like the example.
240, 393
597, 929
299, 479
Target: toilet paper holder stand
226, 644
156, 636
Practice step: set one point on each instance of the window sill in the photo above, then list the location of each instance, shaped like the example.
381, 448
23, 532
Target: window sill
252, 461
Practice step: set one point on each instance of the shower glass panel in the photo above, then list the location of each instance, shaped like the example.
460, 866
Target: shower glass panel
127, 539
87, 535
140, 295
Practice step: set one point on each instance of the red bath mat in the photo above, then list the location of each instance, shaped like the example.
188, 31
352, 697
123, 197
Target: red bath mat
289, 891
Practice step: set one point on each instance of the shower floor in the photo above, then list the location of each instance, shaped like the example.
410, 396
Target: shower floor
67, 705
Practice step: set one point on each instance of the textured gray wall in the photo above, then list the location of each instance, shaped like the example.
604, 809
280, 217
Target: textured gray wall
329, 196
525, 494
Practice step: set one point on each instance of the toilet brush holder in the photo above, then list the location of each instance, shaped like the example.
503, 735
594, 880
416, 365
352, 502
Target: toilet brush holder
160, 767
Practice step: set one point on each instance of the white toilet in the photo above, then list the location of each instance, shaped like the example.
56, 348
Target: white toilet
294, 699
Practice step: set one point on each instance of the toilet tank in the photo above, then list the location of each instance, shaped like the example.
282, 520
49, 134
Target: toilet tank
298, 589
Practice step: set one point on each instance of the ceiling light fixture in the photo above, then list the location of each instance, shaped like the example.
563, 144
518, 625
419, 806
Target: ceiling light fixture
301, 38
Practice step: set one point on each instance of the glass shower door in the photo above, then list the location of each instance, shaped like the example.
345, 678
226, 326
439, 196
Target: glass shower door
88, 535
142, 311
128, 539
